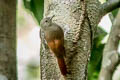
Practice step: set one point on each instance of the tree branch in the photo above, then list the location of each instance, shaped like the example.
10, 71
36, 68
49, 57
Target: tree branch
109, 6
110, 54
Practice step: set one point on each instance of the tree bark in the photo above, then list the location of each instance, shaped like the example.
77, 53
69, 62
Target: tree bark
110, 54
8, 40
79, 19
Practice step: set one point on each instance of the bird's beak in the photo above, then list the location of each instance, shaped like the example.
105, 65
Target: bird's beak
52, 17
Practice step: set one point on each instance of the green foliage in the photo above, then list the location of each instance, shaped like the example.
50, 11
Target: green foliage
96, 55
36, 7
33, 71
114, 12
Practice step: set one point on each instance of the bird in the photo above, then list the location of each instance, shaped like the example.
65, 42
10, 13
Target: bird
54, 36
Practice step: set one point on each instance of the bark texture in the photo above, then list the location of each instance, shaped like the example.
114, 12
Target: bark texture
79, 19
110, 54
76, 18
8, 40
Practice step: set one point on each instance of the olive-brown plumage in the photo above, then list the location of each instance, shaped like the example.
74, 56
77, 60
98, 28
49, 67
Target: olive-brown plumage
54, 36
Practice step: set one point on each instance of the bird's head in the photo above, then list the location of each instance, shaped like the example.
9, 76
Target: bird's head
46, 22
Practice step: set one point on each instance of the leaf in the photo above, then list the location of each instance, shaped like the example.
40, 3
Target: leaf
114, 12
36, 7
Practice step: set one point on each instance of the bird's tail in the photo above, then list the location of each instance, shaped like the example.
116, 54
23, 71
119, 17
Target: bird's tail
62, 66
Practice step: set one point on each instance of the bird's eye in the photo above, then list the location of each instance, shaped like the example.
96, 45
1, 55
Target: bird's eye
46, 21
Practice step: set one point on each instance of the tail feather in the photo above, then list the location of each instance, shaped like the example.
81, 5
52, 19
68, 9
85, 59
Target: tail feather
62, 66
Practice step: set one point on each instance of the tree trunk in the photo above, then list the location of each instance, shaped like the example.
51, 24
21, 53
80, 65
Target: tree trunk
79, 19
8, 40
